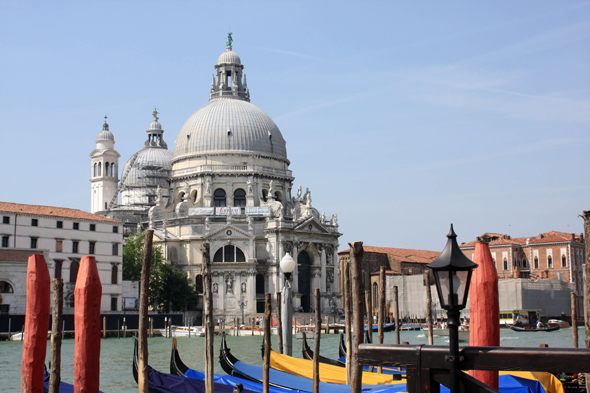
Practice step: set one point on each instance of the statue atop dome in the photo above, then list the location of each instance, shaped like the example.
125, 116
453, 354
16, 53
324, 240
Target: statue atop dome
229, 41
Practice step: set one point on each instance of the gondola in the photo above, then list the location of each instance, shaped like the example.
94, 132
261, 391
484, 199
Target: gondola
64, 387
342, 347
168, 383
308, 354
534, 329
235, 367
386, 328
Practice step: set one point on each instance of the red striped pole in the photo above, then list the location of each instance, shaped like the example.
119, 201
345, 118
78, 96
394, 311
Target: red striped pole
484, 329
36, 325
87, 297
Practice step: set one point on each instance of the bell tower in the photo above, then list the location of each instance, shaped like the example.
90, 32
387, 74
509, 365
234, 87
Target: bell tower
104, 170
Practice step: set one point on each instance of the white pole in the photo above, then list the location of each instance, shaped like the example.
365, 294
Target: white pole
287, 317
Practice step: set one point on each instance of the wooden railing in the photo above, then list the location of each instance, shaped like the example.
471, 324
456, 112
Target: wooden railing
426, 367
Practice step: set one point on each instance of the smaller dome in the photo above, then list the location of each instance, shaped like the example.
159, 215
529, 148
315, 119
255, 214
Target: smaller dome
229, 57
155, 125
105, 134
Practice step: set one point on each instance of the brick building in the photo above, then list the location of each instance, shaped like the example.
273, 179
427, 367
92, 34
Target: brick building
549, 255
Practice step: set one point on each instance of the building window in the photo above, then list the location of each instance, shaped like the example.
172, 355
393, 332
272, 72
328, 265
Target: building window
199, 284
34, 222
563, 261
549, 262
115, 229
113, 304
76, 226
114, 274
219, 198
240, 198
536, 262
33, 242
5, 220
74, 266
58, 245
91, 247
4, 241
505, 264
92, 227
58, 265
265, 195
75, 247
4, 308
229, 254
115, 249
5, 287
523, 263
60, 224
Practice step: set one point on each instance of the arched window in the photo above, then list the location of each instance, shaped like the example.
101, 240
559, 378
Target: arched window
194, 195
536, 262
114, 274
563, 261
181, 195
219, 197
95, 169
549, 262
199, 283
113, 170
264, 195
106, 169
229, 253
505, 264
5, 287
240, 198
58, 265
99, 169
277, 196
74, 266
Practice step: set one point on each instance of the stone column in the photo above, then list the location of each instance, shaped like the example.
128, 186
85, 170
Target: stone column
251, 292
295, 275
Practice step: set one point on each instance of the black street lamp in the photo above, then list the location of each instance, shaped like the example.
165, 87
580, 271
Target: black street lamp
452, 274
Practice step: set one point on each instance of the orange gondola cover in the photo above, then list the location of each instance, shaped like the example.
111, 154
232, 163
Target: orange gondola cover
36, 324
87, 297
484, 329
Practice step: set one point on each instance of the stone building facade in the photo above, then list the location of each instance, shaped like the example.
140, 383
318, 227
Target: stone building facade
228, 184
63, 236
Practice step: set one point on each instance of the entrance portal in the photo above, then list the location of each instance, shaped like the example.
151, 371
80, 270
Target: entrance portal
304, 279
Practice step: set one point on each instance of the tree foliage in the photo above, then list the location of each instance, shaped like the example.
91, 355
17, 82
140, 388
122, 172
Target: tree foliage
170, 288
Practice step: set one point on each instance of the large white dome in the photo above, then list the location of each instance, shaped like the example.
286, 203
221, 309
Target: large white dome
229, 125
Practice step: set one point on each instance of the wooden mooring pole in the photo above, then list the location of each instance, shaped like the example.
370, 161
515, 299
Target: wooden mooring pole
347, 302
209, 328
56, 334
428, 307
144, 292
356, 272
316, 344
574, 320
381, 333
396, 310
369, 312
266, 365
586, 267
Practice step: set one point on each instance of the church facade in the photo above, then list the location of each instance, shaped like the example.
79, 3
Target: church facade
227, 184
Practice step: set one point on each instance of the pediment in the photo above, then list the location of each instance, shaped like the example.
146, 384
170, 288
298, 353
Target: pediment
311, 225
228, 232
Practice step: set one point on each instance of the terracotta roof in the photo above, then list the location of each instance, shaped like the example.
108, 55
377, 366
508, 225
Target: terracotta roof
402, 254
547, 237
51, 211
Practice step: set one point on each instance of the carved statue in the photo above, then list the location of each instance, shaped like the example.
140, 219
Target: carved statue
158, 195
207, 224
229, 284
243, 287
334, 219
229, 41
299, 192
250, 223
294, 214
208, 186
215, 287
323, 219
139, 227
250, 187
308, 198
164, 227
151, 216
271, 189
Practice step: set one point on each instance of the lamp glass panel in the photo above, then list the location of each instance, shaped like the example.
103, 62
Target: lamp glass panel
441, 284
461, 291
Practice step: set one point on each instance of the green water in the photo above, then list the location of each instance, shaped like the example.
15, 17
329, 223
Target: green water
116, 354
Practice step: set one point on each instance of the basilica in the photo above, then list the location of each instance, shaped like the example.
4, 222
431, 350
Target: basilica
227, 183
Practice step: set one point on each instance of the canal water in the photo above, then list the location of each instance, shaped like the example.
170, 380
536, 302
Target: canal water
116, 354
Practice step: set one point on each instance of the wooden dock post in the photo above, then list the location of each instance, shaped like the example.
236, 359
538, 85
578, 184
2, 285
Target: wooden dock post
347, 317
266, 365
369, 312
144, 292
316, 344
396, 310
104, 328
356, 272
87, 297
381, 333
279, 323
209, 328
428, 307
586, 290
56, 335
36, 322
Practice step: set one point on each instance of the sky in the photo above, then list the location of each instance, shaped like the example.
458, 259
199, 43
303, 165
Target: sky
401, 117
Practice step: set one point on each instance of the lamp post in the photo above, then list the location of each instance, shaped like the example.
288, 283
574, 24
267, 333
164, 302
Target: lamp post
452, 274
287, 266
